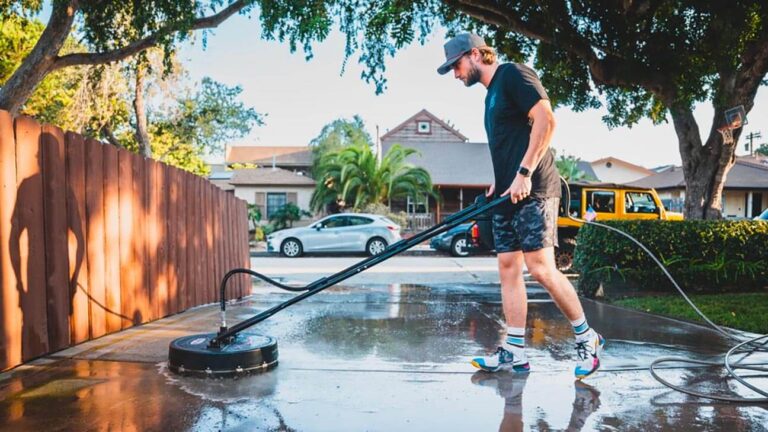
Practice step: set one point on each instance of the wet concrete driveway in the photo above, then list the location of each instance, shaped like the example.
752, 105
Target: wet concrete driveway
382, 357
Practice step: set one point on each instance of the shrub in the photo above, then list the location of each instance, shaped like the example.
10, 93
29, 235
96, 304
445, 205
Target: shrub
702, 256
399, 218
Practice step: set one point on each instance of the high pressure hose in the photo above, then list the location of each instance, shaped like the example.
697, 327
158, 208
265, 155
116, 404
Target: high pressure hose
740, 348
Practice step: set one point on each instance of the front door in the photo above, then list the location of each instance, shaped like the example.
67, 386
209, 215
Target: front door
757, 203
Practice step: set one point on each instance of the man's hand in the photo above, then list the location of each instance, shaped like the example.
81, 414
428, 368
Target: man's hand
520, 189
490, 190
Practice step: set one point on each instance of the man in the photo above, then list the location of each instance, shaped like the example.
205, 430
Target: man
519, 123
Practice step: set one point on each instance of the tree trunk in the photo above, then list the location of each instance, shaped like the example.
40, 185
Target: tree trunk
142, 137
39, 62
705, 167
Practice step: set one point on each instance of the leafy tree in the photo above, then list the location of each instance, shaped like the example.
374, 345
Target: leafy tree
353, 177
763, 149
287, 215
341, 133
639, 59
213, 116
112, 31
568, 167
83, 99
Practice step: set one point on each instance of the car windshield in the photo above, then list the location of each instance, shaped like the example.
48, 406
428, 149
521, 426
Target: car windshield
763, 215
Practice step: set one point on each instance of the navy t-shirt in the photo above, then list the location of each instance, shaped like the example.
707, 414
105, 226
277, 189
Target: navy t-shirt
512, 92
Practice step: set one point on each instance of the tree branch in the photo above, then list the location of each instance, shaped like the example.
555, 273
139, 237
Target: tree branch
147, 42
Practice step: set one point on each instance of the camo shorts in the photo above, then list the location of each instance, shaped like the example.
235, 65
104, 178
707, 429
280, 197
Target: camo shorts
531, 227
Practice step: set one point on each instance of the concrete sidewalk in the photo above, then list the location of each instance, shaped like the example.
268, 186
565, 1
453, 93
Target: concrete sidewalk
389, 357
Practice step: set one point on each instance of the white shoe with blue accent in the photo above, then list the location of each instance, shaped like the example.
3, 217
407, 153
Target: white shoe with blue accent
501, 359
588, 352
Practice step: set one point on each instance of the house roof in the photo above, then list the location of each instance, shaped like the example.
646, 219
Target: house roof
421, 113
586, 168
298, 159
243, 154
269, 177
453, 163
743, 175
614, 160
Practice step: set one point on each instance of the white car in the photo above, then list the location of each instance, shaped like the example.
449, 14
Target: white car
343, 232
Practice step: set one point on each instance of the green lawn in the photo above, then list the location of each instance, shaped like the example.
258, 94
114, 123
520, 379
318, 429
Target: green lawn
740, 311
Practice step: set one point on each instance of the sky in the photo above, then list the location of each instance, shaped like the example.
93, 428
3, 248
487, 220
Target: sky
299, 97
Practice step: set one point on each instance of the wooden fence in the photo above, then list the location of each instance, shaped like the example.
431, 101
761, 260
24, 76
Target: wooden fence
95, 239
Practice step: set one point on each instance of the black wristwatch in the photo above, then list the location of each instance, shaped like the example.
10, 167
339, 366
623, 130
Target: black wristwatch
525, 172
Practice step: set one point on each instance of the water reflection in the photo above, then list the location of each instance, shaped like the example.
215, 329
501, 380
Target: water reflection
511, 387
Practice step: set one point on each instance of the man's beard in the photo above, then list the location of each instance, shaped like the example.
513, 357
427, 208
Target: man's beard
473, 76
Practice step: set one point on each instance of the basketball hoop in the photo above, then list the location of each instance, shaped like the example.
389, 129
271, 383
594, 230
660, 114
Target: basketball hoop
735, 118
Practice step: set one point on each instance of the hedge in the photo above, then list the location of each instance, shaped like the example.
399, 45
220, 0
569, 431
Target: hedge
702, 256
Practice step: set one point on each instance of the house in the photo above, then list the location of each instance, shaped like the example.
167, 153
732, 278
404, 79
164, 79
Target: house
460, 169
271, 188
745, 193
615, 170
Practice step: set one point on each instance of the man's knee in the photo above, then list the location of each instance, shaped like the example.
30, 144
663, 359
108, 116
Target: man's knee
542, 270
511, 261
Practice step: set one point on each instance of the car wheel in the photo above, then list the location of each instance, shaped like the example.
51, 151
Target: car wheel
564, 254
457, 246
291, 248
375, 246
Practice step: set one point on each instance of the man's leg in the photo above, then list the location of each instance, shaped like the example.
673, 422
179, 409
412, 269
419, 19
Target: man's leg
541, 265
511, 354
536, 226
514, 299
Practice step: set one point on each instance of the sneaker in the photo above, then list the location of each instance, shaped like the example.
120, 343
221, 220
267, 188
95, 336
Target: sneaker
588, 352
501, 359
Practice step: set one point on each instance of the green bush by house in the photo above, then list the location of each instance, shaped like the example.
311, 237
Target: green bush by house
702, 256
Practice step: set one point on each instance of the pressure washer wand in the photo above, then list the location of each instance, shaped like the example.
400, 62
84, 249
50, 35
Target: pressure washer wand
323, 283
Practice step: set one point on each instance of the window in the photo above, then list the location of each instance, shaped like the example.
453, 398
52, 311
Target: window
359, 220
640, 202
423, 127
602, 201
275, 201
335, 222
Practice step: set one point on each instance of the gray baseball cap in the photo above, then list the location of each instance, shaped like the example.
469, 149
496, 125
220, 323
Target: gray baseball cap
457, 47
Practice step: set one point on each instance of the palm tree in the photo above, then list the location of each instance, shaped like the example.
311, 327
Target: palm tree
353, 177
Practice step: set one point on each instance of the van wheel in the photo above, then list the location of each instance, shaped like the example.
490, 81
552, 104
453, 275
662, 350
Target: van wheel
564, 254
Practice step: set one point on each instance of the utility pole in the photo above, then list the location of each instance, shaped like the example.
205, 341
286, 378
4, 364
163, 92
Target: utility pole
751, 137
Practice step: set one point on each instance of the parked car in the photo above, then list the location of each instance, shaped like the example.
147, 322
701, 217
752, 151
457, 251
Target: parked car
453, 241
344, 232
762, 216
606, 200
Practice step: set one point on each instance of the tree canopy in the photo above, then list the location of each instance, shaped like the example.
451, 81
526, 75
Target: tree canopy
637, 59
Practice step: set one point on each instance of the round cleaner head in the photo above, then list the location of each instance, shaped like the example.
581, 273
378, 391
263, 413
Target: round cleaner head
246, 353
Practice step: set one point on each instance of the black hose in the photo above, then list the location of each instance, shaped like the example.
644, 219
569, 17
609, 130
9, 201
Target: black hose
726, 363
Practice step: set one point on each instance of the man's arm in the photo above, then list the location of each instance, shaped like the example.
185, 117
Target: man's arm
541, 133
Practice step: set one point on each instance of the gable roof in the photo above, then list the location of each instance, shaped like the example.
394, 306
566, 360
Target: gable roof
622, 162
269, 177
250, 154
743, 175
432, 117
453, 163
